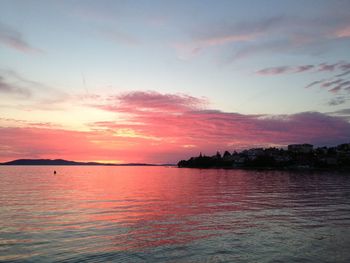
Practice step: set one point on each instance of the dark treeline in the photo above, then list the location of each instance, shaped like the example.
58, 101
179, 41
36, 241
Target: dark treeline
296, 156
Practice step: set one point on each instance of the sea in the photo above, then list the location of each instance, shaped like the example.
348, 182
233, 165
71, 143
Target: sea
168, 214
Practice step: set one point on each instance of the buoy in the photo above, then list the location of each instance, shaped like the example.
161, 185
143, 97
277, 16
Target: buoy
54, 172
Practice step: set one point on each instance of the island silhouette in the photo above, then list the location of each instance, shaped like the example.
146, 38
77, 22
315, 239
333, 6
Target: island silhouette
66, 162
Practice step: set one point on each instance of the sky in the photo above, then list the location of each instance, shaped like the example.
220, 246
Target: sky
159, 81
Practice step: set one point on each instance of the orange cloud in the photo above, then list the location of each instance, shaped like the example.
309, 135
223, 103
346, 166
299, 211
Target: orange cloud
76, 145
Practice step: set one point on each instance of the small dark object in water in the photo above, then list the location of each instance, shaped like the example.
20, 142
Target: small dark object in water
54, 172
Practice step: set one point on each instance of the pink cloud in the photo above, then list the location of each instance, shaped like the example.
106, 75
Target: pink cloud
163, 128
153, 101
331, 83
328, 67
340, 86
208, 130
303, 68
343, 32
335, 89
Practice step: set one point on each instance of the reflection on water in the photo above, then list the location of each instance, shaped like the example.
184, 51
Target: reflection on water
160, 214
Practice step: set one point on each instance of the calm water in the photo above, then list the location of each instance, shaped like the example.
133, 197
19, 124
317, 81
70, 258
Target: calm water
160, 214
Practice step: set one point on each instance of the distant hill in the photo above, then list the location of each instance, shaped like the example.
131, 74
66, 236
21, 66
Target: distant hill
66, 162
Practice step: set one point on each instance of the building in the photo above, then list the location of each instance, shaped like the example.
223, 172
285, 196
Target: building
254, 153
300, 148
345, 147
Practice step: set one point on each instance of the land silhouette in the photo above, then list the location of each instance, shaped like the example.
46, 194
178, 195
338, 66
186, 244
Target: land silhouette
299, 156
66, 162
296, 156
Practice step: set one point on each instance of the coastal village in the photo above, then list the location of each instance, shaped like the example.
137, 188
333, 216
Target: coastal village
298, 156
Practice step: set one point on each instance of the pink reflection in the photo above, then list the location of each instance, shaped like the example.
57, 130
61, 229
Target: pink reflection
136, 208
145, 206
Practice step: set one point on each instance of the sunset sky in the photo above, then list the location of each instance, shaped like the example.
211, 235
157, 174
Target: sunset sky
160, 81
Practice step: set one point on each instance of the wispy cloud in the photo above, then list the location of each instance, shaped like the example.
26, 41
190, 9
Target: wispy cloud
333, 84
11, 122
343, 74
343, 84
275, 70
323, 67
337, 83
329, 67
335, 89
343, 113
14, 85
330, 83
304, 68
120, 37
14, 39
10, 89
198, 45
107, 22
314, 83
285, 69
224, 34
280, 34
337, 101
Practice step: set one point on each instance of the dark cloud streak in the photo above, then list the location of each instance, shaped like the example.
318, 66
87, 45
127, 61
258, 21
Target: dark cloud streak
338, 83
8, 88
323, 67
13, 39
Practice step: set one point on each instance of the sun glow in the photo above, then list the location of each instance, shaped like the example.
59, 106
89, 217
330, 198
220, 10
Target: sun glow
108, 161
130, 133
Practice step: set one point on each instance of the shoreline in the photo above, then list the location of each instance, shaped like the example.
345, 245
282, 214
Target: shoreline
270, 168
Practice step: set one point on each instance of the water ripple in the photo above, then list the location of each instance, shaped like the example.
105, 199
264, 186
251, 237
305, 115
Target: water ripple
158, 214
